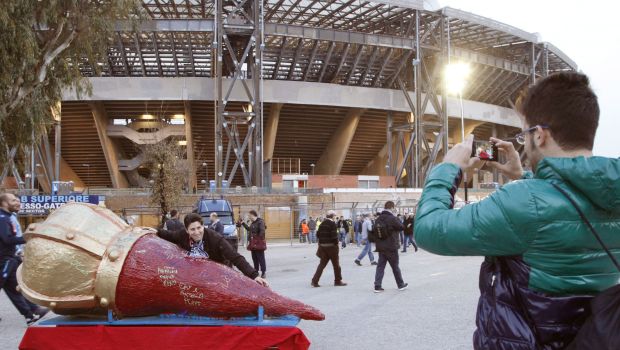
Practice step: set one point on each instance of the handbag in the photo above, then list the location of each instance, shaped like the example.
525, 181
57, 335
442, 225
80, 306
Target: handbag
256, 243
600, 331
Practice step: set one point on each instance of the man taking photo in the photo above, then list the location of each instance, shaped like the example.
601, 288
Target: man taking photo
543, 265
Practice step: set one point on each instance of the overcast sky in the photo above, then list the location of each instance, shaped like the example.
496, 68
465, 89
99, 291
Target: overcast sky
586, 31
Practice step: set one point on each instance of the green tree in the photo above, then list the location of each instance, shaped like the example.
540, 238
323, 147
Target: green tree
169, 172
43, 45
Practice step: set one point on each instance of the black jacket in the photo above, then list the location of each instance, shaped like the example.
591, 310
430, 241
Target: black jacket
174, 225
217, 227
327, 232
512, 316
394, 226
215, 245
256, 228
408, 223
8, 238
344, 224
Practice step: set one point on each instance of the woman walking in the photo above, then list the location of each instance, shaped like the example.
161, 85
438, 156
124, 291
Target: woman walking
257, 243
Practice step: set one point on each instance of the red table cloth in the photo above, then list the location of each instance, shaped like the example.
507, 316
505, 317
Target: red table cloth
163, 337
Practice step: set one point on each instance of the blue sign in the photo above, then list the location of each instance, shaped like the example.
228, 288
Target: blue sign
42, 205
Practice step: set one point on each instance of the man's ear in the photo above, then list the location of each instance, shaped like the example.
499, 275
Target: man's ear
542, 137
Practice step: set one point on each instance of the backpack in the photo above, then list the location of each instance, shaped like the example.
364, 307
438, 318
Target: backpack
379, 231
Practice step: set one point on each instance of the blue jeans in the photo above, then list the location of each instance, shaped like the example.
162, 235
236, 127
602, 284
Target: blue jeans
358, 238
402, 237
312, 236
366, 251
343, 237
408, 240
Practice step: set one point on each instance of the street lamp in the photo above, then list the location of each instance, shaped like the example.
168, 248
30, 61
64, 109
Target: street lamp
456, 77
87, 176
206, 166
312, 166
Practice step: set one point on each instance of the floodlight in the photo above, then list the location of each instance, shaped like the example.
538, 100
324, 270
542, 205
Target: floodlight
456, 76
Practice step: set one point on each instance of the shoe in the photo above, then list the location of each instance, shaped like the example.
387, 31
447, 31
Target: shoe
340, 284
263, 275
358, 263
379, 290
403, 251
416, 248
404, 286
374, 263
41, 311
315, 285
33, 319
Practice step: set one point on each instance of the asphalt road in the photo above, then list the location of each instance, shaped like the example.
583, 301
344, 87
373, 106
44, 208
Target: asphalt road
436, 312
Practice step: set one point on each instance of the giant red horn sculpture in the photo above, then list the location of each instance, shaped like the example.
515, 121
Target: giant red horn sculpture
84, 259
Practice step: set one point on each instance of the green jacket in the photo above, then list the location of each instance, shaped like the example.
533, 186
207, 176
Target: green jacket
532, 219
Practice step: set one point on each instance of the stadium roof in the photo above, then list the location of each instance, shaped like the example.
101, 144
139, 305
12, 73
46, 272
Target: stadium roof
349, 42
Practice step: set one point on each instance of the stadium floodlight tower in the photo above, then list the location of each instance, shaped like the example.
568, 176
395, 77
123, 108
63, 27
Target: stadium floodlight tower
238, 46
456, 76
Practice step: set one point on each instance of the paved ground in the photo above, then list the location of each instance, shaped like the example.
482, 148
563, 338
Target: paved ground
436, 312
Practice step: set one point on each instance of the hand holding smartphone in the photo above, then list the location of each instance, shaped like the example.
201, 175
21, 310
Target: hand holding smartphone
485, 150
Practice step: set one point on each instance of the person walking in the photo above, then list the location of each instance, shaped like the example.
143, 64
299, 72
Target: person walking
304, 231
174, 224
328, 250
312, 225
401, 234
9, 262
257, 242
543, 262
408, 223
366, 229
357, 230
343, 230
387, 227
215, 224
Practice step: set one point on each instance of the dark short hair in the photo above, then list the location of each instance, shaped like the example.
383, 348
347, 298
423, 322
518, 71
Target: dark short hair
191, 218
389, 205
566, 104
173, 212
253, 212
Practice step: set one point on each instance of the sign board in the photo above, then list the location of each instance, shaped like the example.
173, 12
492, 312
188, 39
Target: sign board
43, 204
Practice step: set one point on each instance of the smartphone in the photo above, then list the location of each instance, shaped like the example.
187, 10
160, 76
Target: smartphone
485, 150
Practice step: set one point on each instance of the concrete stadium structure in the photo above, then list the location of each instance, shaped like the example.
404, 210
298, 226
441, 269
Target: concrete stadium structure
335, 87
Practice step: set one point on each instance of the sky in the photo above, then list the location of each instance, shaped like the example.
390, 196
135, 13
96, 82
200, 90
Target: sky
587, 31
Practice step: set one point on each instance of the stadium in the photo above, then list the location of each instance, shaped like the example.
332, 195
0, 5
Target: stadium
256, 91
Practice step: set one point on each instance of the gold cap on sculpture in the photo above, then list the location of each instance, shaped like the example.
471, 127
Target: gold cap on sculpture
73, 259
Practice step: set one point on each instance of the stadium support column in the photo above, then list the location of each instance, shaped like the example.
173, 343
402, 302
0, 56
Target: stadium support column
418, 132
110, 149
539, 62
390, 123
428, 68
335, 152
189, 147
238, 54
271, 131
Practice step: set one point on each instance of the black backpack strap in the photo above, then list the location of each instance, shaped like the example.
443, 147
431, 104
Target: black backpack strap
587, 222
